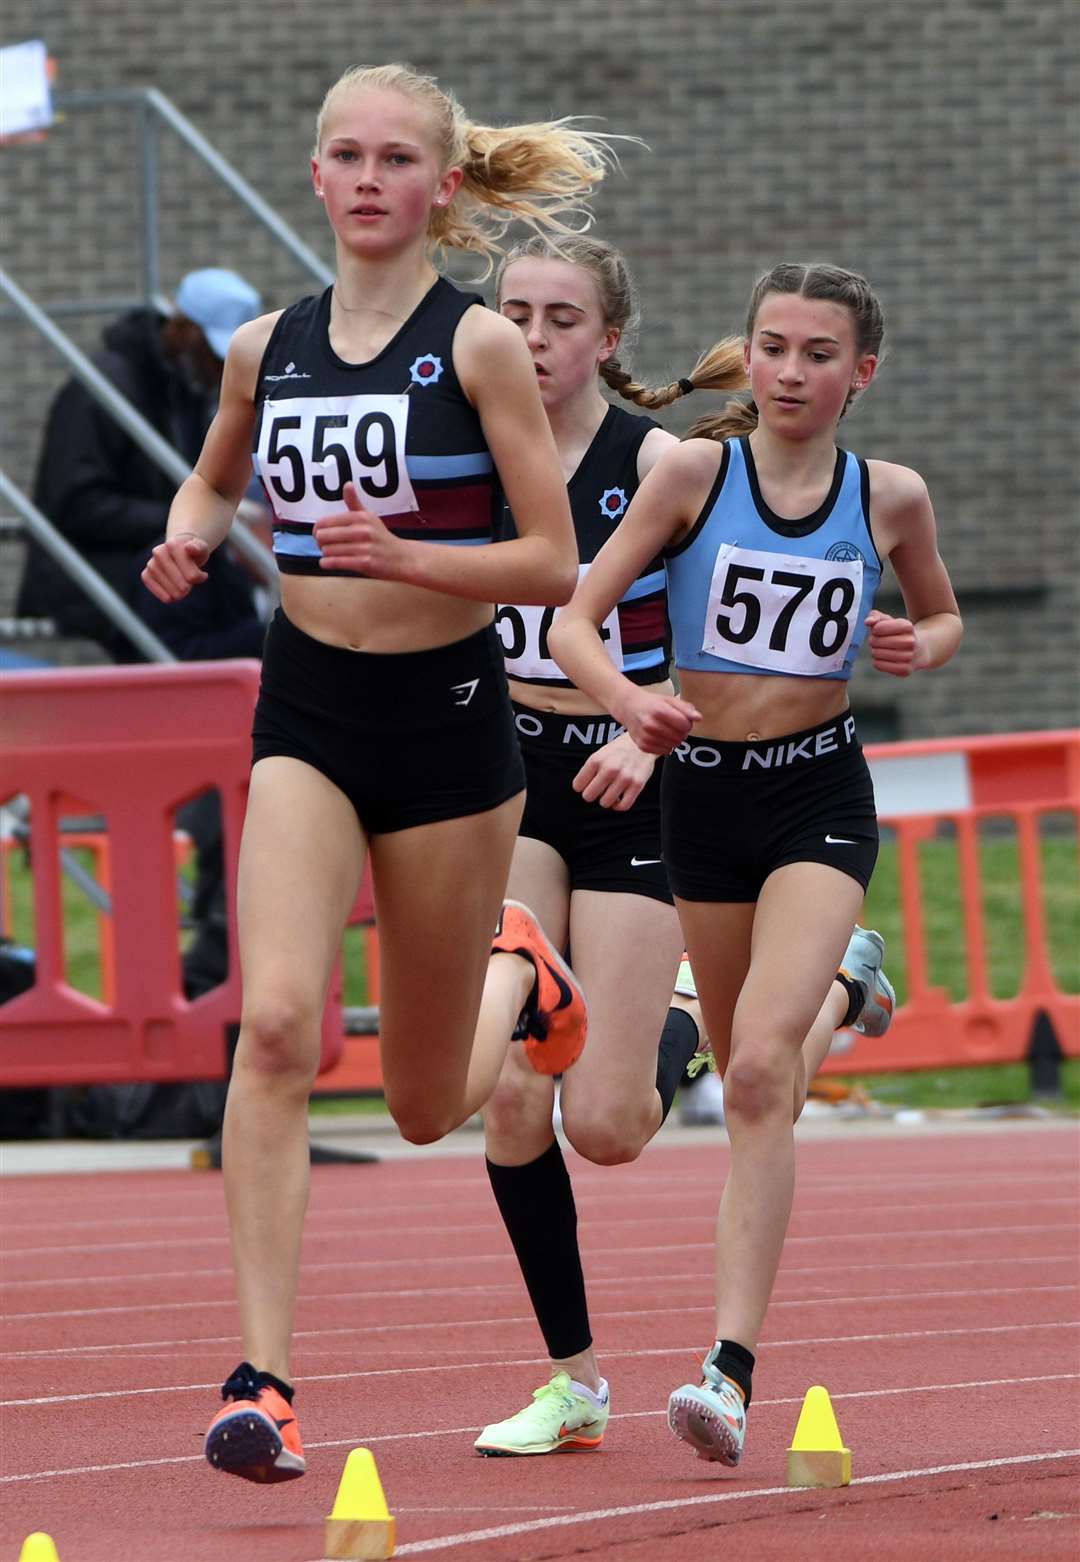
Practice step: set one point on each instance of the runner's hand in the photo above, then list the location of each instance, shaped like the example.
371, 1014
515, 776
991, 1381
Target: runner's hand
656, 722
356, 540
176, 565
894, 644
615, 774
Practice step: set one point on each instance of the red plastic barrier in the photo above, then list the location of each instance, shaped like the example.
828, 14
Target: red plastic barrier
1018, 777
963, 781
133, 743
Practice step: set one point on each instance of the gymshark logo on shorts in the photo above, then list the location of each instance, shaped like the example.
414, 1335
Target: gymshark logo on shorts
465, 690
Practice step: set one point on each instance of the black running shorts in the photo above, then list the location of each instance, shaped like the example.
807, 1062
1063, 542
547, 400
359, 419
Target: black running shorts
410, 737
604, 849
735, 812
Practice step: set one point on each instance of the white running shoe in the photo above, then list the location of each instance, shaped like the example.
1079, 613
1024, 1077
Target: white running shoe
703, 1103
557, 1418
710, 1416
862, 962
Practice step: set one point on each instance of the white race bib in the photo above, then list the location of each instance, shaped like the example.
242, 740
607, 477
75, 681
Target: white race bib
310, 447
524, 634
782, 612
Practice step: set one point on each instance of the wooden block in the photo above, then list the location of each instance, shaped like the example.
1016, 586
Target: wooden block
359, 1540
817, 1467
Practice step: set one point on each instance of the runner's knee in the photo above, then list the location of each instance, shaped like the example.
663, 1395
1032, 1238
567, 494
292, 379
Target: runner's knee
608, 1133
419, 1120
758, 1083
518, 1110
279, 1040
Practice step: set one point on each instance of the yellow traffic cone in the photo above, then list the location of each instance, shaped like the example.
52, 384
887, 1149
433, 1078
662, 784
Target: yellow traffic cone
817, 1456
360, 1526
38, 1547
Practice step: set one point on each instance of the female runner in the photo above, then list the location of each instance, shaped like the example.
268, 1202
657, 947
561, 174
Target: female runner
773, 541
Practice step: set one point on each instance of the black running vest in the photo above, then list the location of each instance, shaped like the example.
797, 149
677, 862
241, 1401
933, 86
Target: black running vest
398, 426
635, 633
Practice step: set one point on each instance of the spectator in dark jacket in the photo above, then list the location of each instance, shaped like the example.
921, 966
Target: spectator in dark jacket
222, 620
97, 486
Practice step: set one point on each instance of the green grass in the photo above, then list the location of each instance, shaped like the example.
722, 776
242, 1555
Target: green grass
1003, 919
944, 943
342, 1106
996, 1084
83, 931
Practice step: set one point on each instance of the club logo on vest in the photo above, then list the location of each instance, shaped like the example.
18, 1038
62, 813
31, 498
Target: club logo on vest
613, 502
425, 370
845, 553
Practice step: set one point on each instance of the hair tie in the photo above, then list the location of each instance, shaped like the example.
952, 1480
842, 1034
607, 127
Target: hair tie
686, 386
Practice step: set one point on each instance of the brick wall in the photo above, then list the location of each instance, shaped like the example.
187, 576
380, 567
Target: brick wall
932, 144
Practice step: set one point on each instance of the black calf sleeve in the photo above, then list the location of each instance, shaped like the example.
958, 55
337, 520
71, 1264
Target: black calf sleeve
678, 1043
537, 1206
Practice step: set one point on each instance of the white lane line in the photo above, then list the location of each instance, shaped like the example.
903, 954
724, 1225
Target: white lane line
596, 1282
596, 1184
384, 1262
338, 1225
225, 1272
528, 1361
638, 1509
470, 1431
489, 1323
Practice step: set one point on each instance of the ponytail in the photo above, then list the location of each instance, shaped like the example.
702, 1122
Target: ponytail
721, 368
537, 174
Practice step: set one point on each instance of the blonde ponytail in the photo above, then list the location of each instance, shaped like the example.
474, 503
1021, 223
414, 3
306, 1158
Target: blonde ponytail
537, 174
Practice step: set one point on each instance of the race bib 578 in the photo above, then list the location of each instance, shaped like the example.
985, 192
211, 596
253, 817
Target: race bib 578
781, 612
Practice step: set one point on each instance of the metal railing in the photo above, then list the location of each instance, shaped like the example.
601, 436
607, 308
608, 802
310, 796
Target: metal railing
153, 109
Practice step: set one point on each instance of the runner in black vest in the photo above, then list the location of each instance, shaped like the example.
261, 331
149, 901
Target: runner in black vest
379, 415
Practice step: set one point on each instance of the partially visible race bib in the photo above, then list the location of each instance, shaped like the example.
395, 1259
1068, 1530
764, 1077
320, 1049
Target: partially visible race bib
782, 612
310, 447
524, 634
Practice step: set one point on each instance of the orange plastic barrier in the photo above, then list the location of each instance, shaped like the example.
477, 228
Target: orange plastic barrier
133, 743
962, 781
965, 782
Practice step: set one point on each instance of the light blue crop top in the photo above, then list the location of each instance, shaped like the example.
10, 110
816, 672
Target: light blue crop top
751, 592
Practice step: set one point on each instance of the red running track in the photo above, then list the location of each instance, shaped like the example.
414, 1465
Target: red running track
930, 1282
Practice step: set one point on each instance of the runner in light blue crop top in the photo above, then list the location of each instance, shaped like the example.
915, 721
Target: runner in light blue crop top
750, 592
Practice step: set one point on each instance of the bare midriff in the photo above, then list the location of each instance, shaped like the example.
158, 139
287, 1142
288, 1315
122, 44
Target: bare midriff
380, 616
741, 707
568, 702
